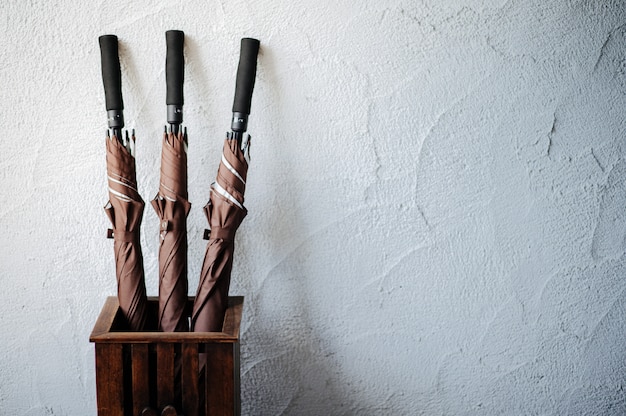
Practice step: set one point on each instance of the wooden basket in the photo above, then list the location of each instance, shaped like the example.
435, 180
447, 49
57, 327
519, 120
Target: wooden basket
195, 372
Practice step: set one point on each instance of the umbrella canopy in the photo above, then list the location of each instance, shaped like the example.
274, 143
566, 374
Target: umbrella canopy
225, 212
172, 208
125, 210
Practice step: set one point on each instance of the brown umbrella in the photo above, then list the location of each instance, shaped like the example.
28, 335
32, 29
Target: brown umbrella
171, 204
125, 210
225, 210
125, 206
172, 207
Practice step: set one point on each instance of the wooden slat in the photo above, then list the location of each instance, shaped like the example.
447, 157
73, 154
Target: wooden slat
237, 377
110, 376
141, 377
165, 375
106, 318
190, 379
232, 318
162, 337
220, 381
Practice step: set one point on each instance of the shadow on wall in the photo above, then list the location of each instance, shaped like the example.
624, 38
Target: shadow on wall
284, 368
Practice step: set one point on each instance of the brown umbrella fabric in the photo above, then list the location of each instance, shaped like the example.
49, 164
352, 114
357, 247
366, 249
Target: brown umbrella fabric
172, 207
225, 212
125, 210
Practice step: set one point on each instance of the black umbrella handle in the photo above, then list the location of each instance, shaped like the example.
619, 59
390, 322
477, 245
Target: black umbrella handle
112, 79
246, 73
174, 76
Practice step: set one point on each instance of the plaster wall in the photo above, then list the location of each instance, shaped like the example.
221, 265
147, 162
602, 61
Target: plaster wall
437, 204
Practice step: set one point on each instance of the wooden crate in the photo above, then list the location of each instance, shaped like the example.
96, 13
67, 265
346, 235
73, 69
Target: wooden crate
196, 372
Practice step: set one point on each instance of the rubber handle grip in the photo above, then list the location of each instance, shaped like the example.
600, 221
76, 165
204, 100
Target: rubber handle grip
174, 67
111, 74
246, 73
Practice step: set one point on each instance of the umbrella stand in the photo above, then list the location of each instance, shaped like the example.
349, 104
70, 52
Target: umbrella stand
145, 383
225, 210
125, 206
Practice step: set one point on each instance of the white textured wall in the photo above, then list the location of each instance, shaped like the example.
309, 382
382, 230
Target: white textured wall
437, 199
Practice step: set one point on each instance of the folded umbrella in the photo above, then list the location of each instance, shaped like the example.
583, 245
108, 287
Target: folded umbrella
225, 210
125, 206
171, 203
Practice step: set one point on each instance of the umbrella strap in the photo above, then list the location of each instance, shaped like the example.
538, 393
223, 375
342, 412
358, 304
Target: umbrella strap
221, 233
123, 236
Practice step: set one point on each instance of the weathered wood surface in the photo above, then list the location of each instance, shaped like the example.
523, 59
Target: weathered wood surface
136, 372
